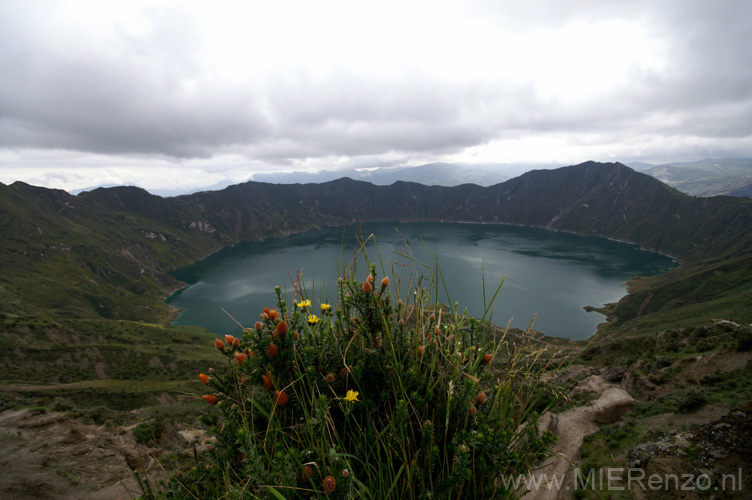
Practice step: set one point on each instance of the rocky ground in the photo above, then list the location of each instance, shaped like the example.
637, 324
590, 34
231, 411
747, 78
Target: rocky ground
51, 456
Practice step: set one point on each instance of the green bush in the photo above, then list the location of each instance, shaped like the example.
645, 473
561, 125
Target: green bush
691, 400
148, 432
369, 398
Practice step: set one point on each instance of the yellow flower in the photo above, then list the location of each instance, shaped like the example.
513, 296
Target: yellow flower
325, 308
352, 396
312, 319
303, 305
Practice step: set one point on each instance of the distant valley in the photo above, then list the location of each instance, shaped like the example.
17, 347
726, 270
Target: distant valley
711, 177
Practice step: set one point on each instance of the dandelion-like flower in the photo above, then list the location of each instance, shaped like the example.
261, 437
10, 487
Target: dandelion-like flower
352, 396
326, 308
313, 319
303, 305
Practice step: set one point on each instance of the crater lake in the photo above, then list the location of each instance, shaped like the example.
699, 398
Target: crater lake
548, 276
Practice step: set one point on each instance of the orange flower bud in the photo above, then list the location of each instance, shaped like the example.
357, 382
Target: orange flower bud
385, 282
421, 349
210, 398
240, 357
219, 345
272, 350
235, 342
368, 288
229, 339
473, 410
204, 378
480, 398
267, 381
282, 398
487, 358
259, 325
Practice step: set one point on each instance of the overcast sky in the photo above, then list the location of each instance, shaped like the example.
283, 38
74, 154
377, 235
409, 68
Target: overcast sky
188, 94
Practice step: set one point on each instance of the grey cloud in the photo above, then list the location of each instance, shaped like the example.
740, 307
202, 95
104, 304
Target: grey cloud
132, 98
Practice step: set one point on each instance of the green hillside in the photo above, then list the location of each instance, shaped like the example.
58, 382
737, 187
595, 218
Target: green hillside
104, 255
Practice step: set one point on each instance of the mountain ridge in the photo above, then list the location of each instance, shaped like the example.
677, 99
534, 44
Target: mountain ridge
112, 245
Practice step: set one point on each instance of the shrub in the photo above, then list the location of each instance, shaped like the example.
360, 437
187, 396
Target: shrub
63, 404
744, 341
368, 398
691, 400
148, 433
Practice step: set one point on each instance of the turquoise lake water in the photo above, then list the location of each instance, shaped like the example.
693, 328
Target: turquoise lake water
549, 275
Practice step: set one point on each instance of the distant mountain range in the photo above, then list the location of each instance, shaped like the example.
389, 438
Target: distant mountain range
432, 174
106, 253
709, 177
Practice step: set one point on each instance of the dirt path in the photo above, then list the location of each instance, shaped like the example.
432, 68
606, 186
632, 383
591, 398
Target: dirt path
571, 427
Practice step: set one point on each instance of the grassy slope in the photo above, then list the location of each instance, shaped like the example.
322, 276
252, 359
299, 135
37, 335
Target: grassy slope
103, 255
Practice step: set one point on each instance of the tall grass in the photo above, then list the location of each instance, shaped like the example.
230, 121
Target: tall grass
383, 393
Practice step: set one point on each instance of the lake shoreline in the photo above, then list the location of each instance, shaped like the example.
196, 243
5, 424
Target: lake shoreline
565, 253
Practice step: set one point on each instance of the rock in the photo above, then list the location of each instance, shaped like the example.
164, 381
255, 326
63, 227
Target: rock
611, 406
717, 452
614, 374
638, 386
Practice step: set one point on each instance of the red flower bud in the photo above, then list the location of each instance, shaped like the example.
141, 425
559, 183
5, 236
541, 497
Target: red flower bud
368, 288
204, 378
272, 350
210, 398
271, 313
267, 381
329, 484
480, 398
282, 398
329, 377
219, 345
259, 325
240, 357
487, 358
281, 328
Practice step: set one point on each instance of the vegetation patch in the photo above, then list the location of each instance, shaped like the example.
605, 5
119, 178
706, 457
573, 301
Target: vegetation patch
371, 397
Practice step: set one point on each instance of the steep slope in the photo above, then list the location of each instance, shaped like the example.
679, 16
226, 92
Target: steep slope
106, 252
592, 198
84, 257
